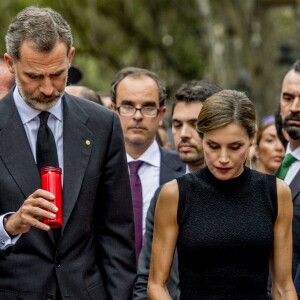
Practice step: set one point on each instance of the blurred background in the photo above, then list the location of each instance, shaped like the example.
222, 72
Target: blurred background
241, 44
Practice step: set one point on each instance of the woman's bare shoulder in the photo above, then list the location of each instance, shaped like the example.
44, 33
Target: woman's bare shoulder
169, 193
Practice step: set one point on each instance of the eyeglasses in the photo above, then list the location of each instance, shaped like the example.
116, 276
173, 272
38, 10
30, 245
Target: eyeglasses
146, 111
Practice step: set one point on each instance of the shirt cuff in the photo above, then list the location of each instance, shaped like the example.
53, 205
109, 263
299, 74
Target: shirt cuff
5, 239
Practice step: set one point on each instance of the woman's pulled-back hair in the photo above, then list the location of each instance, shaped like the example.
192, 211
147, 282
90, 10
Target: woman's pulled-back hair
224, 108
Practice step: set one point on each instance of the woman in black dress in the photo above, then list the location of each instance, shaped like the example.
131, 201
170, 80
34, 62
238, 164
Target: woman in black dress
227, 221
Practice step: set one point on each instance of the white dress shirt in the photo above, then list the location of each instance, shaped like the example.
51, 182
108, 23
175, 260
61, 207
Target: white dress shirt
295, 166
30, 120
149, 174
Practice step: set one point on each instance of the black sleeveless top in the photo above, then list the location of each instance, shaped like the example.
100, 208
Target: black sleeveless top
225, 235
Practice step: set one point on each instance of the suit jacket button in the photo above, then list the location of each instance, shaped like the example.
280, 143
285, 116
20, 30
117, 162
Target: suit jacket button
49, 297
57, 264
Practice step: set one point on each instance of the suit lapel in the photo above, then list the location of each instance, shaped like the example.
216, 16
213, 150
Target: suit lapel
171, 166
15, 151
295, 186
77, 144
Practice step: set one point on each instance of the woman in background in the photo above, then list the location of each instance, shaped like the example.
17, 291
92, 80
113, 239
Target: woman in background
269, 151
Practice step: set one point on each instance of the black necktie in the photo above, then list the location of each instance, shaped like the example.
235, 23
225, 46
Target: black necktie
46, 153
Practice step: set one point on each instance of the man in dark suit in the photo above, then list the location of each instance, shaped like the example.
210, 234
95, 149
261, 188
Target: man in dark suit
139, 97
290, 113
94, 257
188, 103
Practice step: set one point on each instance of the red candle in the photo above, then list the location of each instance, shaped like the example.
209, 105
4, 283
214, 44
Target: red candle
51, 181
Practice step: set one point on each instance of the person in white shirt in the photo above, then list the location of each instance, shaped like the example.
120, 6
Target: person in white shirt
139, 98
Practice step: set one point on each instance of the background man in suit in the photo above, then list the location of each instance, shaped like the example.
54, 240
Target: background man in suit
94, 257
139, 98
6, 78
290, 113
84, 92
188, 103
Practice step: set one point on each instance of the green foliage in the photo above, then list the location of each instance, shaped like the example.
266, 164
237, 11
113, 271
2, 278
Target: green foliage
109, 35
180, 40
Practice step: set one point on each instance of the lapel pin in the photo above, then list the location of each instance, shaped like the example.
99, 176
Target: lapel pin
87, 142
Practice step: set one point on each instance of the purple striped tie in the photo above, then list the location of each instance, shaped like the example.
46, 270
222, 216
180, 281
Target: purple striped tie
137, 203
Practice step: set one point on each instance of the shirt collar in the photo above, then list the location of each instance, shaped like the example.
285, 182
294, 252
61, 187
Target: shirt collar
151, 156
27, 113
295, 153
187, 169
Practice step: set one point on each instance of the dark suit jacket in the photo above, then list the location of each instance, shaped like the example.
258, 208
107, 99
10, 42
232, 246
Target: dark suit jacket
170, 166
295, 188
95, 257
145, 255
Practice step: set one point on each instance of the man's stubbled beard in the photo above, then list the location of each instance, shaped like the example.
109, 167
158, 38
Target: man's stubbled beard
38, 101
293, 130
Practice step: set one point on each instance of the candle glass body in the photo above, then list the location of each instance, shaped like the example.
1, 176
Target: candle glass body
51, 182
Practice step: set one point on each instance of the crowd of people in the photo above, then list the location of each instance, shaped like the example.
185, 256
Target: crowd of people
215, 217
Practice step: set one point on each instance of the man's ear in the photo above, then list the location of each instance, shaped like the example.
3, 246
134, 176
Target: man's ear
9, 62
71, 55
112, 107
162, 112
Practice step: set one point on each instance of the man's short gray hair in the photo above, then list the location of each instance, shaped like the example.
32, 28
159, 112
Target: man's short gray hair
41, 26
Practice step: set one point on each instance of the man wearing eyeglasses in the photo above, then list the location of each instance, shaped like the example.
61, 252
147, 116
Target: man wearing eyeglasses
139, 97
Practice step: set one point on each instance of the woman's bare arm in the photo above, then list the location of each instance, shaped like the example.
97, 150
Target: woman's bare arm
164, 241
281, 263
